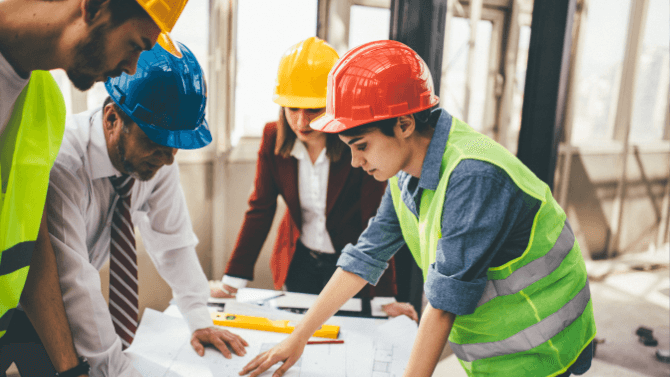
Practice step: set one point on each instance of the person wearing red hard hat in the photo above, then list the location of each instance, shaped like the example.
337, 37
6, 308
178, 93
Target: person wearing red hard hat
91, 40
503, 273
328, 201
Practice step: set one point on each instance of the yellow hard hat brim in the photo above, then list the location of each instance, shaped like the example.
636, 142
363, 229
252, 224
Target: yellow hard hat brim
166, 42
299, 101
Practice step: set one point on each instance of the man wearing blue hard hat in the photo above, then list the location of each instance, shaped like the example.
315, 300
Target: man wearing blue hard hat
115, 172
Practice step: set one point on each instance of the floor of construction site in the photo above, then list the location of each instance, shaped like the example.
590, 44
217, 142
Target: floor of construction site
627, 292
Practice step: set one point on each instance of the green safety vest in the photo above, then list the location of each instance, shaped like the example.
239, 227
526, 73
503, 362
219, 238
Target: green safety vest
535, 316
30, 144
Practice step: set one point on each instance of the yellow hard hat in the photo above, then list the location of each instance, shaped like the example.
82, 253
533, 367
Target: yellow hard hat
165, 14
302, 77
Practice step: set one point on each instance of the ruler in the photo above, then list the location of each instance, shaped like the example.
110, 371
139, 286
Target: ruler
264, 324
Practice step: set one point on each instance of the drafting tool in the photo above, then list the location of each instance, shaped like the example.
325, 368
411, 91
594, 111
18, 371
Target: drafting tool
263, 301
341, 341
264, 324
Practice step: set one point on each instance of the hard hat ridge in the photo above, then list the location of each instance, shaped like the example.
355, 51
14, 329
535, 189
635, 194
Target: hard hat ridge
166, 98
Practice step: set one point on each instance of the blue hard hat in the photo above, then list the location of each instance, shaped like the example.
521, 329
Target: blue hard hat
166, 97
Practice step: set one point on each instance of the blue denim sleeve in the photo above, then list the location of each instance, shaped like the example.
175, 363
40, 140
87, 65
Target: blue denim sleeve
481, 207
376, 245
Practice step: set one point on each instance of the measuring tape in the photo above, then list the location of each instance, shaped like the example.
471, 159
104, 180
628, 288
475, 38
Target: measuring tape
264, 324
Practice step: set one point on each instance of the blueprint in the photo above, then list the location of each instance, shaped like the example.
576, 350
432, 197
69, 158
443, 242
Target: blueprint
372, 348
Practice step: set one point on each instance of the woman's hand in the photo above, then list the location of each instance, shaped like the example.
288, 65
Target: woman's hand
399, 308
288, 351
225, 291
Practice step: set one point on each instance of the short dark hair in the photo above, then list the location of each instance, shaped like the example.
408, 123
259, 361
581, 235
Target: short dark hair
124, 10
422, 119
125, 118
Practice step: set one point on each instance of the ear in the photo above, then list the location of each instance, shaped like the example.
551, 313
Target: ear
110, 119
91, 9
406, 125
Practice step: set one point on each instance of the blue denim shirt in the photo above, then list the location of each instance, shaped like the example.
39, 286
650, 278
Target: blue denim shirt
486, 222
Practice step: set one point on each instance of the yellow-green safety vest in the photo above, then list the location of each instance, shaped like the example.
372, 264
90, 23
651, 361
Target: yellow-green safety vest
535, 316
30, 144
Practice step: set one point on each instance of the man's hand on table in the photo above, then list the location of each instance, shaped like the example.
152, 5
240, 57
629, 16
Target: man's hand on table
220, 339
399, 308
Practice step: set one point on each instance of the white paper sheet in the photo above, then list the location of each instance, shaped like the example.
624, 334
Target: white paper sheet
305, 301
161, 348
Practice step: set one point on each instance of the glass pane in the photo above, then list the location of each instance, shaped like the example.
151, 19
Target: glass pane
519, 86
192, 29
64, 84
96, 95
651, 87
453, 85
265, 29
600, 70
367, 24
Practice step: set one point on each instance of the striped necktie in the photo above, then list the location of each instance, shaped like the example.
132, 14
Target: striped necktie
123, 264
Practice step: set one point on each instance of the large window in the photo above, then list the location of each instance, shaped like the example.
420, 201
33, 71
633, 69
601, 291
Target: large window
651, 88
452, 86
265, 29
367, 24
600, 70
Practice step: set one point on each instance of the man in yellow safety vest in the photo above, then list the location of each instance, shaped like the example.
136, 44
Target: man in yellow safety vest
91, 40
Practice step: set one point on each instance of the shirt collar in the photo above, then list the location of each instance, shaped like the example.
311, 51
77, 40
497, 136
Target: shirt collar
299, 152
101, 165
430, 171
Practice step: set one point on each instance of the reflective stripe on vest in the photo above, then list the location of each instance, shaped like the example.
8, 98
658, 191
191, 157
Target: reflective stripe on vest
535, 316
30, 144
533, 271
530, 337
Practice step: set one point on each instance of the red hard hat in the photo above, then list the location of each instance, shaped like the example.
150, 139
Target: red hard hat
375, 81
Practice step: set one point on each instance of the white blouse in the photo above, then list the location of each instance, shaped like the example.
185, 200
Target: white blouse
312, 190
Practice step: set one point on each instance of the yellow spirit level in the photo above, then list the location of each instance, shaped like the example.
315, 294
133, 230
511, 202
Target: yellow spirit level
264, 324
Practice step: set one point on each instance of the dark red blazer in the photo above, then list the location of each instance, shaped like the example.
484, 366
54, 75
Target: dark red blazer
352, 199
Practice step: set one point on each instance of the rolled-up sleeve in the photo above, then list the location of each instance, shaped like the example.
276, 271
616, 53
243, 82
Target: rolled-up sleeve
480, 210
376, 245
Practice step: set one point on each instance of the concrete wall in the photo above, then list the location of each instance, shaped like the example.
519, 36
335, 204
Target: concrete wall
594, 176
240, 170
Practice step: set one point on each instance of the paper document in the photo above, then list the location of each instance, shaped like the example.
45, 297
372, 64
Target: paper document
305, 301
254, 295
162, 348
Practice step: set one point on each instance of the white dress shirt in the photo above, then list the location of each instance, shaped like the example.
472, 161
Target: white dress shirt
11, 85
81, 203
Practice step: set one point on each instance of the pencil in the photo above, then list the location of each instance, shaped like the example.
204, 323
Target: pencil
326, 342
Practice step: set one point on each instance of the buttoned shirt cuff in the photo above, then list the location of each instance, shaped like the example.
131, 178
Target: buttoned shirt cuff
198, 318
452, 295
234, 282
361, 264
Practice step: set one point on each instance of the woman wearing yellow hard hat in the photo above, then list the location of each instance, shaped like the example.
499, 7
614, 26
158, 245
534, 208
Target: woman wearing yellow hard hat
329, 202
